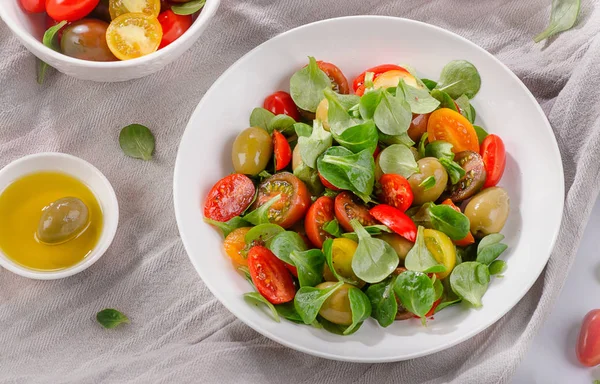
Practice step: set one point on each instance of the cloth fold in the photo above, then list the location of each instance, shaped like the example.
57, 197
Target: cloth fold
179, 333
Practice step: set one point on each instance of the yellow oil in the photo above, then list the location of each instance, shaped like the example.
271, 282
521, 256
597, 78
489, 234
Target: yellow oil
21, 205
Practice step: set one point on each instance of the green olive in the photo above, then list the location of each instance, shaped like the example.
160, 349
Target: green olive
63, 220
428, 166
488, 211
252, 150
399, 243
337, 306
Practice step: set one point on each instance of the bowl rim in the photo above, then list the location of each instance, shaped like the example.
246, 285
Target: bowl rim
425, 352
108, 227
204, 17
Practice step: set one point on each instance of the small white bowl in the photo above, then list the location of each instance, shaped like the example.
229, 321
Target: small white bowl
89, 175
29, 29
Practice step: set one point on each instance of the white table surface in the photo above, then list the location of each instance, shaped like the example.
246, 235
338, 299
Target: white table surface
551, 359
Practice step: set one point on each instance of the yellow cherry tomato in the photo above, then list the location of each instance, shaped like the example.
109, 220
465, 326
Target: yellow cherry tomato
322, 113
235, 243
390, 79
342, 252
133, 35
121, 7
442, 249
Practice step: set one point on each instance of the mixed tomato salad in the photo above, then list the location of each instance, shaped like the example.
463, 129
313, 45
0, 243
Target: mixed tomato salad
376, 198
110, 30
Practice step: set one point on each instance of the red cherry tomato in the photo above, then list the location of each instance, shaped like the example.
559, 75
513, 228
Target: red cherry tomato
358, 83
33, 6
327, 184
395, 191
319, 213
469, 239
293, 270
229, 197
494, 159
377, 152
335, 74
270, 276
588, 346
281, 103
70, 10
282, 151
432, 310
348, 207
396, 220
173, 26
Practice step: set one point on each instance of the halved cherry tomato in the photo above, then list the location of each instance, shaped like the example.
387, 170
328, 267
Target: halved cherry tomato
395, 191
229, 197
348, 207
173, 26
588, 346
133, 35
418, 126
70, 10
319, 213
340, 83
235, 243
494, 159
294, 201
378, 70
147, 7
442, 249
281, 103
33, 6
269, 275
281, 150
448, 125
432, 310
396, 220
469, 239
327, 184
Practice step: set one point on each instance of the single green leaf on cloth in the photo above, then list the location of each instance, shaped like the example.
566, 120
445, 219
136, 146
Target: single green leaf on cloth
257, 299
307, 86
459, 77
261, 118
50, 40
137, 141
110, 318
188, 8
562, 18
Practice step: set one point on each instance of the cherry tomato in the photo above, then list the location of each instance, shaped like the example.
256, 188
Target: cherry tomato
348, 207
378, 70
281, 103
147, 7
70, 10
235, 243
588, 346
396, 220
327, 184
173, 26
294, 201
86, 39
418, 126
133, 35
33, 6
319, 213
376, 152
448, 125
229, 197
494, 159
282, 151
442, 249
432, 310
269, 275
469, 239
340, 83
395, 191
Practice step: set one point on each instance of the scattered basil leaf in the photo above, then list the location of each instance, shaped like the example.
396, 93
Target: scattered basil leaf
422, 145
445, 219
481, 133
288, 311
261, 118
256, 299
428, 183
337, 114
308, 301
392, 115
454, 170
360, 305
313, 146
284, 243
263, 234
282, 123
459, 77
261, 214
415, 291
374, 259
398, 159
110, 318
420, 259
333, 228
419, 99
349, 171
307, 86
445, 100
562, 18
465, 108
228, 226
310, 177
369, 102
188, 8
430, 84
497, 268
383, 301
137, 141
470, 280
490, 248
309, 265
50, 40
359, 137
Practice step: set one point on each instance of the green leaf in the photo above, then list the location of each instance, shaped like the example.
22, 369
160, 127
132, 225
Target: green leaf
359, 137
303, 129
284, 243
256, 299
562, 18
313, 146
188, 8
422, 145
420, 259
430, 84
497, 268
445, 100
374, 259
261, 118
489, 240
481, 133
333, 228
309, 265
349, 171
398, 159
307, 86
428, 183
368, 103
110, 318
360, 305
403, 139
383, 301
454, 170
445, 219
490, 253
137, 141
445, 304
419, 99
437, 287
310, 177
263, 234
459, 77
337, 114
246, 273
288, 311
439, 149
373, 230
470, 281
415, 291
261, 214
228, 226
308, 301
50, 40
392, 115
282, 123
466, 109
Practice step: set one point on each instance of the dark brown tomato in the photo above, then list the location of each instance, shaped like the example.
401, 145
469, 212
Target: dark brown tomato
418, 126
474, 178
294, 201
86, 39
347, 207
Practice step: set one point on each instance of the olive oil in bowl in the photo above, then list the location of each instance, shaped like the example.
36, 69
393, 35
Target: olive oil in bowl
22, 205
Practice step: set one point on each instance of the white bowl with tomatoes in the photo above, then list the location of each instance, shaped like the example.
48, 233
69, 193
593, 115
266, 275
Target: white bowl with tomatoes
382, 205
107, 40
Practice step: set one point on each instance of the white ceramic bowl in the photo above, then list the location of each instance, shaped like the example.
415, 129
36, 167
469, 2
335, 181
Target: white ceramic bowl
89, 175
533, 176
29, 29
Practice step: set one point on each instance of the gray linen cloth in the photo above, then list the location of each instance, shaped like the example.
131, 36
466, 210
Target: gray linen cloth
179, 332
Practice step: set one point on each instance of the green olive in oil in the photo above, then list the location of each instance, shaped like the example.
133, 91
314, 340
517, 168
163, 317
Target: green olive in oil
26, 207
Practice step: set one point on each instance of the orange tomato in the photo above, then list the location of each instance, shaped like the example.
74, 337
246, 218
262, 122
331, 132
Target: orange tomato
448, 125
234, 244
